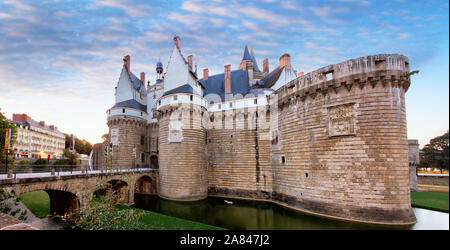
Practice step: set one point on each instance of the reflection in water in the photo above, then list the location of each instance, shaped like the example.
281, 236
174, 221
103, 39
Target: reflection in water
266, 215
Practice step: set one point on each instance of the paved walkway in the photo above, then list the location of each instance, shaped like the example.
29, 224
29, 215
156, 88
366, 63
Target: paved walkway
49, 174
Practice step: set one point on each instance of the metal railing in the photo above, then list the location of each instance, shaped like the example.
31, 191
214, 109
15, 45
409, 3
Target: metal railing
15, 170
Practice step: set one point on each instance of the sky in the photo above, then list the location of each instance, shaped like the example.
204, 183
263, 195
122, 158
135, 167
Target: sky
60, 60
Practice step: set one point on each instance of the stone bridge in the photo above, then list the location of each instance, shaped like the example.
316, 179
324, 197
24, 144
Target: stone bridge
69, 191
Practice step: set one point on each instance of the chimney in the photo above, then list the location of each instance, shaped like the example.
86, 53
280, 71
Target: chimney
143, 77
176, 41
205, 74
299, 74
126, 61
190, 61
266, 65
285, 60
42, 123
227, 79
20, 117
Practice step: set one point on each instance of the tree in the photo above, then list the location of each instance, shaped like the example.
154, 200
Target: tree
81, 146
3, 125
436, 153
105, 137
72, 157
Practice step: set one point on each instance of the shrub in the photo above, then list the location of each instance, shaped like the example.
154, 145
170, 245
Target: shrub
22, 162
60, 162
103, 213
40, 162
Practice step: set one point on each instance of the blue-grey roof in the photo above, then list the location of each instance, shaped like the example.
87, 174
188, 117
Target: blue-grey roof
131, 104
255, 64
182, 89
216, 84
247, 55
30, 122
270, 79
137, 84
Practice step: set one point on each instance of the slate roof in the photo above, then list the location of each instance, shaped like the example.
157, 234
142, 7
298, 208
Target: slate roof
247, 55
131, 104
215, 84
255, 64
182, 89
31, 122
137, 84
270, 79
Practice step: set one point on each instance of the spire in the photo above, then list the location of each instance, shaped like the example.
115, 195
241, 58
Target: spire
252, 55
246, 54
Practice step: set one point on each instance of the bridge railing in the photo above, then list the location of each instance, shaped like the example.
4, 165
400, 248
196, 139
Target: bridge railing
15, 170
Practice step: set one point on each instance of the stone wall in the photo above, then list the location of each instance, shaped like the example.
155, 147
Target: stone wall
238, 157
436, 180
342, 149
339, 149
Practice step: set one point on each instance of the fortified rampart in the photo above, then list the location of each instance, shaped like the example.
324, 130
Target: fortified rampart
340, 148
336, 145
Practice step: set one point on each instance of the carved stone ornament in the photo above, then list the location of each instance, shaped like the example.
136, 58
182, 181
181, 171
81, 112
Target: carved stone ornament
175, 131
341, 120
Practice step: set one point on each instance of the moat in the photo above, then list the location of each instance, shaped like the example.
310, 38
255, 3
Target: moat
255, 215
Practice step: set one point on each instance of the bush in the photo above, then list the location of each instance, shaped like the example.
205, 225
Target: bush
22, 162
40, 162
103, 213
60, 162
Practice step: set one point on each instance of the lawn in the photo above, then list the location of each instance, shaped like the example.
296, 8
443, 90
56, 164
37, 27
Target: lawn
156, 221
432, 200
38, 202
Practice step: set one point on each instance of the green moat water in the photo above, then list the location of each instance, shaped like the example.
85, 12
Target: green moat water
255, 215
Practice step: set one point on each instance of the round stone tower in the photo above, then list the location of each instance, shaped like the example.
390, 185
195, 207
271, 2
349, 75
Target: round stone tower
128, 142
182, 164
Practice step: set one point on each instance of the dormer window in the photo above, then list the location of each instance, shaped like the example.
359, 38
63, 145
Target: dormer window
175, 97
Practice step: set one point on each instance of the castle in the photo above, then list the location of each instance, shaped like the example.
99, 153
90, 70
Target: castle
331, 142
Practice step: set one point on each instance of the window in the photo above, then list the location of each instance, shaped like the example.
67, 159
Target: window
192, 98
142, 157
231, 104
220, 106
283, 159
141, 113
142, 139
123, 110
175, 97
255, 101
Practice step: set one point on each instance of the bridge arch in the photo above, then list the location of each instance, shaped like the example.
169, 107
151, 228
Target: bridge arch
146, 185
119, 187
62, 200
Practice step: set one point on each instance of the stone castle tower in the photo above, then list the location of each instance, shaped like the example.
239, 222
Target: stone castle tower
331, 142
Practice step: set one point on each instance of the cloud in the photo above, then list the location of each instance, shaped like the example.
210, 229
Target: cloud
57, 51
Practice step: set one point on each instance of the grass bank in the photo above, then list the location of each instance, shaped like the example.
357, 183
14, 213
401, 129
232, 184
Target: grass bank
430, 200
38, 202
156, 221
